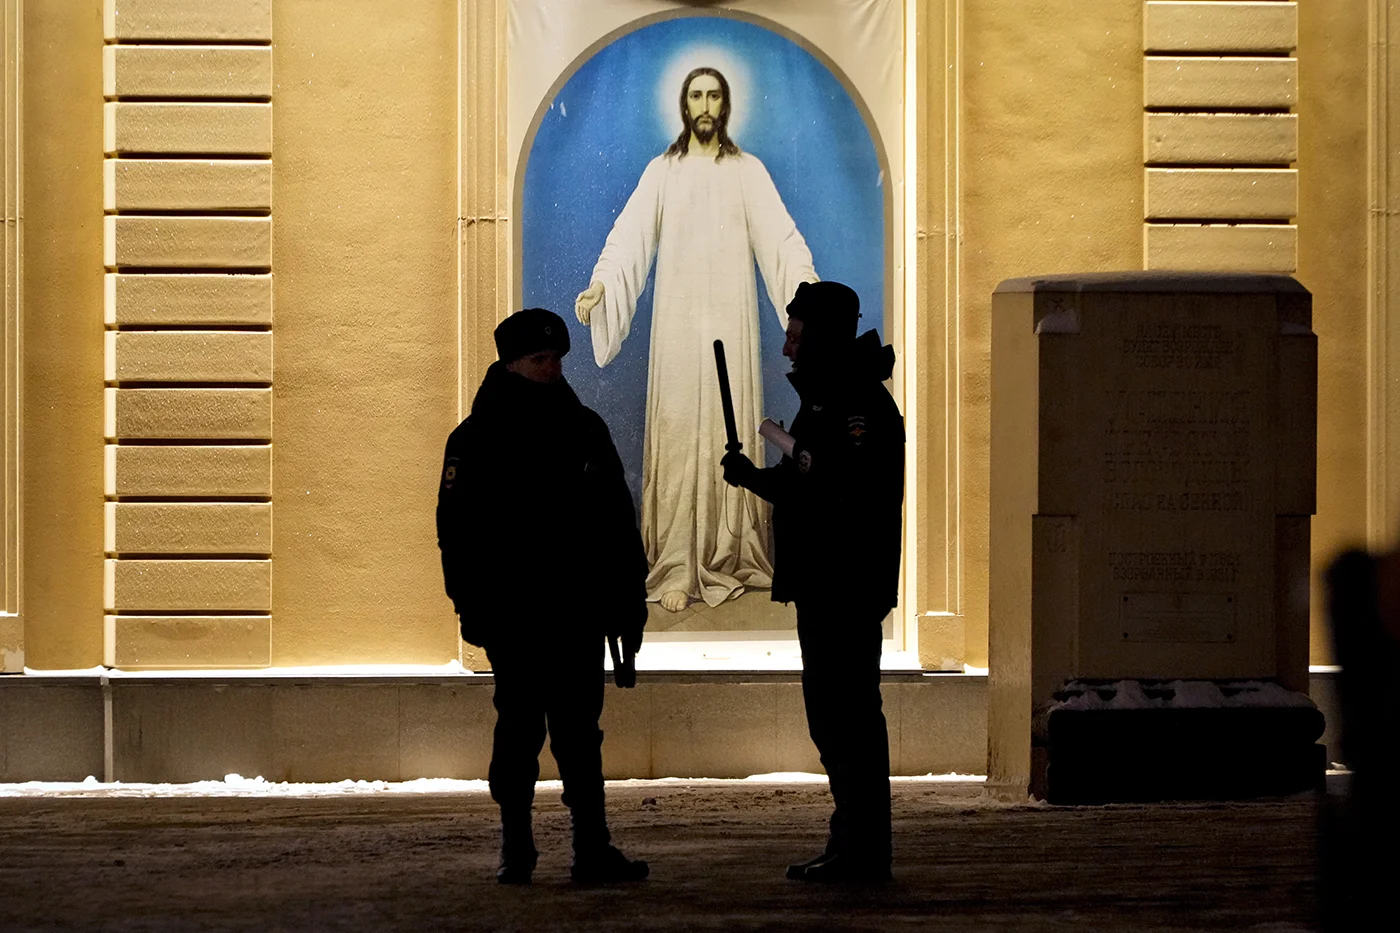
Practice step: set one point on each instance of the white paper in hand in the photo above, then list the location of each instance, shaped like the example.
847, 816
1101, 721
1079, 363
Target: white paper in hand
776, 436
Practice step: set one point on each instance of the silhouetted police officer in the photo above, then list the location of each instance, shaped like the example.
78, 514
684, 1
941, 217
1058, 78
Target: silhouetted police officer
837, 518
541, 556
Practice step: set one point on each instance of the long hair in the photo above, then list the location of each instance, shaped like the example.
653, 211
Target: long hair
682, 144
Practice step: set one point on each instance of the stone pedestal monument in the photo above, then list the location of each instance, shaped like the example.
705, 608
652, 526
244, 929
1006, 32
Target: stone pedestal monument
1153, 468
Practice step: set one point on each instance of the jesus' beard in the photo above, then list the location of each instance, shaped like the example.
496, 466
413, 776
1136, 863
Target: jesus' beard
704, 130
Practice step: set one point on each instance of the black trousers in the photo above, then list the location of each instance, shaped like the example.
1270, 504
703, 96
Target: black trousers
841, 690
554, 687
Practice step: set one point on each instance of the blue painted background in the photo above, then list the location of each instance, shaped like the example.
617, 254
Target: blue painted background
602, 129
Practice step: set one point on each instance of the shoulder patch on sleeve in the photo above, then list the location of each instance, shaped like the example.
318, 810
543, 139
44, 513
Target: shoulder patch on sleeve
856, 428
449, 472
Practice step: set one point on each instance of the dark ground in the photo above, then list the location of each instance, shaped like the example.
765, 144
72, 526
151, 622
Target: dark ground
421, 862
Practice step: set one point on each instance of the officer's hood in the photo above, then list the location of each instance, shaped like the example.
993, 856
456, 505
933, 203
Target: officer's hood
863, 360
504, 394
870, 360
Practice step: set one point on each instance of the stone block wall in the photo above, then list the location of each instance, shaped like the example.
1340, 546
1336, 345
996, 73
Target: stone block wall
187, 242
1220, 83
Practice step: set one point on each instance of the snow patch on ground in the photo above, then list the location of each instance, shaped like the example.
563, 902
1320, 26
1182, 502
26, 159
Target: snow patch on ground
235, 785
952, 777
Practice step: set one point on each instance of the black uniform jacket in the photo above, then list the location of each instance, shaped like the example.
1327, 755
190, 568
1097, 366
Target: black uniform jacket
534, 518
838, 501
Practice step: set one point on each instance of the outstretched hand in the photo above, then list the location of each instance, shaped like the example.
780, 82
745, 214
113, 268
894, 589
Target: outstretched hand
738, 468
587, 300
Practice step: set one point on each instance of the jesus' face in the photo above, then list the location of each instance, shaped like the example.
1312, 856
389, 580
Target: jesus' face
704, 103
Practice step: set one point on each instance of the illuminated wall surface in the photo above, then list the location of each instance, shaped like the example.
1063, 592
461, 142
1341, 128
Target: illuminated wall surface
254, 251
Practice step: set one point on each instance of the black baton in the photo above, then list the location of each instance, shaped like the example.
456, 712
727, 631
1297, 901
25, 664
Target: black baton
726, 399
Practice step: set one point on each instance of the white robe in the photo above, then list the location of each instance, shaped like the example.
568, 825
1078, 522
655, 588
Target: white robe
705, 222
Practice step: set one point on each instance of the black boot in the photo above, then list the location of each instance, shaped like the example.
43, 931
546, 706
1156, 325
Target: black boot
596, 860
798, 871
518, 853
834, 841
844, 867
606, 865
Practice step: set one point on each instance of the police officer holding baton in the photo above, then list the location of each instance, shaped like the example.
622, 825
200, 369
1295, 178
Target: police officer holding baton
837, 525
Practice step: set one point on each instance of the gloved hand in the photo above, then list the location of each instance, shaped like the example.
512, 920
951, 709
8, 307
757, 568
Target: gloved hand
738, 468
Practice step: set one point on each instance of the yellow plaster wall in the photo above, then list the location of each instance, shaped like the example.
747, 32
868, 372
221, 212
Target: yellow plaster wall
63, 334
365, 290
364, 294
1051, 181
1332, 179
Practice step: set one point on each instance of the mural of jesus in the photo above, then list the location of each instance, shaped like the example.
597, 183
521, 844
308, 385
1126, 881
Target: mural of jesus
705, 211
